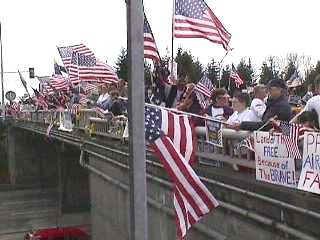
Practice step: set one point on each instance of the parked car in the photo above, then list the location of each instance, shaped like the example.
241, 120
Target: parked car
69, 233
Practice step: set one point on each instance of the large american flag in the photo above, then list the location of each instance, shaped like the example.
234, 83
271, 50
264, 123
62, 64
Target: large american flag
290, 137
194, 19
235, 77
82, 65
203, 91
66, 53
173, 141
150, 47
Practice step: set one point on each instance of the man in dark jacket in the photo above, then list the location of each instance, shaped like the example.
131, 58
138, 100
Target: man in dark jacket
277, 105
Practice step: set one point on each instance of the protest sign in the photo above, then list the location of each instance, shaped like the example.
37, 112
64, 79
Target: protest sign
310, 174
65, 122
272, 162
214, 133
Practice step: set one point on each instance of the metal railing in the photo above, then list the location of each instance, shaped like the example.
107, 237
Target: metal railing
87, 120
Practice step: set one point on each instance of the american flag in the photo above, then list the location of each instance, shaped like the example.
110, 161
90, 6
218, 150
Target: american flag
59, 69
194, 19
66, 53
100, 112
290, 136
83, 100
40, 99
171, 138
235, 77
55, 84
83, 67
247, 143
49, 129
203, 91
88, 88
14, 108
150, 47
75, 108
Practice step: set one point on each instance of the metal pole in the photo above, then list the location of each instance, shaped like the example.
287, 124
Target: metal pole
138, 191
172, 39
2, 101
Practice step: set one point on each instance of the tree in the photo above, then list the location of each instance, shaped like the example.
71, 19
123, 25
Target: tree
271, 69
225, 78
147, 73
212, 71
245, 71
187, 65
122, 65
313, 74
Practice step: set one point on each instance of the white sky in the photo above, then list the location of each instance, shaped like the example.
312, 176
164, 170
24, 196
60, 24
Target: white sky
32, 29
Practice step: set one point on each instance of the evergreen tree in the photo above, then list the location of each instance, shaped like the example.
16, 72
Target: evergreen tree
122, 65
313, 75
267, 72
212, 71
187, 65
225, 78
245, 71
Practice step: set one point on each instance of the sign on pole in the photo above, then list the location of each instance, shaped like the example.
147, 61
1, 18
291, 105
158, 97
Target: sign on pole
272, 162
310, 174
10, 96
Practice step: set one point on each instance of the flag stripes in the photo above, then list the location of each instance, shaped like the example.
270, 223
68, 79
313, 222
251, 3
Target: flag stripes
194, 19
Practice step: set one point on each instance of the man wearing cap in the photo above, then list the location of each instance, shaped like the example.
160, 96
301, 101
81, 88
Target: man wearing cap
277, 105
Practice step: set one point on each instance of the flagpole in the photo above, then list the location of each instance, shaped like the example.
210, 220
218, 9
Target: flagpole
172, 38
220, 67
2, 101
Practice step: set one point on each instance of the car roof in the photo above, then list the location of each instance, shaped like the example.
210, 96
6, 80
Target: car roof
59, 232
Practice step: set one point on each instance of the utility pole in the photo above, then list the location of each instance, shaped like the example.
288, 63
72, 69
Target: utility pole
138, 185
2, 88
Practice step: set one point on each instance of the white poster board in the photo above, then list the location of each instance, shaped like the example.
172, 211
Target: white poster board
65, 122
310, 174
272, 162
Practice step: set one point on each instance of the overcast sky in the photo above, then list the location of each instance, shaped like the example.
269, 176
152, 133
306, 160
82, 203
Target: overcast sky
32, 29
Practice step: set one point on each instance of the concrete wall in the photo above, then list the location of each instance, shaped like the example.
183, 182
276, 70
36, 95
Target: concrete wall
240, 215
36, 162
110, 206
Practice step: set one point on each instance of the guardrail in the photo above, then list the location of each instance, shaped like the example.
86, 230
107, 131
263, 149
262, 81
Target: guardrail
86, 119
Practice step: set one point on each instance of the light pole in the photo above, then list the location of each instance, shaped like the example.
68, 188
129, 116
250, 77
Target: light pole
2, 101
138, 192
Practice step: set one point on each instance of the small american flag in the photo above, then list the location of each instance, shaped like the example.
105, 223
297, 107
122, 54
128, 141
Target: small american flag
235, 77
203, 91
88, 88
40, 99
247, 143
57, 83
290, 136
59, 69
100, 112
194, 19
150, 47
171, 138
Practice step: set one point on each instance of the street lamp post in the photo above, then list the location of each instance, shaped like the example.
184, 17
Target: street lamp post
138, 192
2, 101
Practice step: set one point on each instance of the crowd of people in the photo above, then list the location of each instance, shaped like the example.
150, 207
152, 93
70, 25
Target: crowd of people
241, 111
